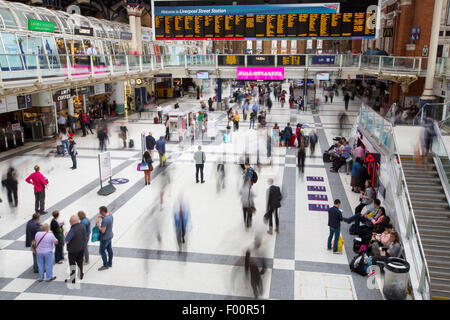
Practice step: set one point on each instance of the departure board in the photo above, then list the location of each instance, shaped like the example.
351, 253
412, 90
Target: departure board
239, 26
189, 27
325, 25
359, 21
229, 26
270, 26
335, 29
209, 26
231, 60
159, 27
219, 26
199, 27
178, 27
250, 31
291, 60
347, 25
281, 25
314, 25
292, 25
260, 26
303, 25
168, 27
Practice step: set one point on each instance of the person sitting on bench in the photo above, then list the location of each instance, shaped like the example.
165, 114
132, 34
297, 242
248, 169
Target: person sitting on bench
358, 217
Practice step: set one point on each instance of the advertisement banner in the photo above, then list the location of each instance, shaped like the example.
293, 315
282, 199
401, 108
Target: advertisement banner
323, 59
260, 73
104, 160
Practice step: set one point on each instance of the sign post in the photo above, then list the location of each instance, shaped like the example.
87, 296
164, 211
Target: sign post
105, 171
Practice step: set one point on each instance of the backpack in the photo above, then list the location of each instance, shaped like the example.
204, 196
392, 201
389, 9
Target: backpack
254, 177
359, 262
131, 143
269, 103
306, 139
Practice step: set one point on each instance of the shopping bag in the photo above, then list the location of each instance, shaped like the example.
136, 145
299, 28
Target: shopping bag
340, 244
164, 157
95, 234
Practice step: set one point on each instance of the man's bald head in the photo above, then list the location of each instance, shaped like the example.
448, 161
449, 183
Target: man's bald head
74, 220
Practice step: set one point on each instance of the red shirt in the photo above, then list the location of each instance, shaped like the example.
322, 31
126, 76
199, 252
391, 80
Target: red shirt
38, 180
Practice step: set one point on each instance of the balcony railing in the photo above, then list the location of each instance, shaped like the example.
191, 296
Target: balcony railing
39, 66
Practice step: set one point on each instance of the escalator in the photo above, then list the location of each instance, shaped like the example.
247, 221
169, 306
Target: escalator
432, 214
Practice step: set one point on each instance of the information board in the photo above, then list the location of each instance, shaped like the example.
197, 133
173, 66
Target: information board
104, 160
263, 21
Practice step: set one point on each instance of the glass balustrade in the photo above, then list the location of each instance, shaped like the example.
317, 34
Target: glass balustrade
21, 66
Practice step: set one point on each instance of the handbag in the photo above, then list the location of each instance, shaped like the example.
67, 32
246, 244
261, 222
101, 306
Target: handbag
164, 157
95, 234
34, 246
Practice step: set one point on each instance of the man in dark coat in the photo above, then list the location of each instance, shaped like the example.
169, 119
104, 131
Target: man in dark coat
288, 134
150, 143
76, 241
273, 203
33, 227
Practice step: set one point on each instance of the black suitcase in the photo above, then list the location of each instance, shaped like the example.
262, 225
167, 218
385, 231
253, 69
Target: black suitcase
131, 143
326, 157
357, 242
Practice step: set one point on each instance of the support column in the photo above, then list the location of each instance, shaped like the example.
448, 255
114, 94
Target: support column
134, 11
118, 95
434, 39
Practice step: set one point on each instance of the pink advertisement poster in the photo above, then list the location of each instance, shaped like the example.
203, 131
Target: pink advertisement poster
260, 73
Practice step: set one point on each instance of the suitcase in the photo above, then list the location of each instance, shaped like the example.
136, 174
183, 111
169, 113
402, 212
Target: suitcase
357, 242
326, 157
155, 120
131, 143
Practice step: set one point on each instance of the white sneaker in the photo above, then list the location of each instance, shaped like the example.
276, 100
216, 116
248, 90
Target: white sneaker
337, 252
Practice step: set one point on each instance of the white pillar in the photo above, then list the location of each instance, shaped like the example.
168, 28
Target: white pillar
132, 19
84, 102
70, 106
118, 95
134, 11
432, 53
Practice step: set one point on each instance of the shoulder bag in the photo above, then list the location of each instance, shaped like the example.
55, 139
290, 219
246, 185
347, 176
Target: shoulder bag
34, 246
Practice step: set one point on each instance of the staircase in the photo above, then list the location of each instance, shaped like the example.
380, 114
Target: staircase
432, 215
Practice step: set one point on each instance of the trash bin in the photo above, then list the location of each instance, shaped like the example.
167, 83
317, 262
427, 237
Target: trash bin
396, 274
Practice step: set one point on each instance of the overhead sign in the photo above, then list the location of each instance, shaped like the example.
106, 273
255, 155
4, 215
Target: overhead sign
388, 32
62, 95
146, 37
39, 25
105, 165
202, 75
84, 31
126, 35
291, 60
260, 73
231, 60
11, 103
264, 21
323, 59
24, 102
163, 75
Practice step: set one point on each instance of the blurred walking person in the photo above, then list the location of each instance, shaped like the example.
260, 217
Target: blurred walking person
247, 200
182, 217
11, 187
301, 155
312, 142
252, 272
220, 175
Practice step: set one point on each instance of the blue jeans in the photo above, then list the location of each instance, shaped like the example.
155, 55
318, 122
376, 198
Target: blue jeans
59, 253
105, 245
74, 161
357, 218
45, 263
335, 232
65, 144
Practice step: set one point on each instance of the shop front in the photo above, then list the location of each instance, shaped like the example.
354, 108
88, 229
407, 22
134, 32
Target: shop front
11, 115
164, 85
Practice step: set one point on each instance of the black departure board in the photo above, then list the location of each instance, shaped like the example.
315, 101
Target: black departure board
281, 25
335, 28
325, 25
209, 26
250, 30
255, 60
347, 24
231, 60
178, 26
159, 27
229, 26
314, 25
291, 60
271, 26
292, 25
303, 25
359, 21
199, 26
260, 25
189, 26
168, 27
239, 26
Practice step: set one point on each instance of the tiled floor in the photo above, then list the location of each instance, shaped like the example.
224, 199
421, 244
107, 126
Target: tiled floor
299, 266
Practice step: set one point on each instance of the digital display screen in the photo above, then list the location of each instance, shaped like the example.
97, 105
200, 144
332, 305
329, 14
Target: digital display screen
274, 21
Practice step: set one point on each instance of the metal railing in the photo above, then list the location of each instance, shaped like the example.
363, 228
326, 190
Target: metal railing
437, 111
22, 66
383, 132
